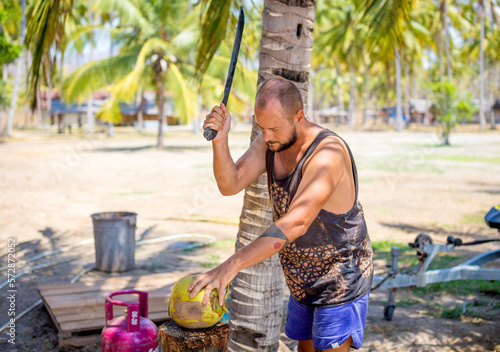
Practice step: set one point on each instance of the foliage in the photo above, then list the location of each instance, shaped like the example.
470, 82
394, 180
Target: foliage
8, 53
448, 108
46, 20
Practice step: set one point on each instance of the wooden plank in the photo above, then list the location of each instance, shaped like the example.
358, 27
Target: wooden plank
54, 319
57, 304
112, 283
80, 307
98, 324
98, 312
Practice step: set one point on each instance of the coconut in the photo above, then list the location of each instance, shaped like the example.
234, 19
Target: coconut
191, 313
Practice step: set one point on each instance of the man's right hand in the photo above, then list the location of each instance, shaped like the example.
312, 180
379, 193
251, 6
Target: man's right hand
219, 120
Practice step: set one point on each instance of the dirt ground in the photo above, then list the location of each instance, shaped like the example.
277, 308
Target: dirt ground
50, 184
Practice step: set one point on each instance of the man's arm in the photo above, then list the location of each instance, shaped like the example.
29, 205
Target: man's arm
232, 177
320, 178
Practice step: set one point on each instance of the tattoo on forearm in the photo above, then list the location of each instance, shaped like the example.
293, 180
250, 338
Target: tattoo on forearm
275, 232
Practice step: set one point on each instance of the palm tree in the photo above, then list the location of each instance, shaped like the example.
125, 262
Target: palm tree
147, 60
343, 36
17, 80
486, 48
8, 54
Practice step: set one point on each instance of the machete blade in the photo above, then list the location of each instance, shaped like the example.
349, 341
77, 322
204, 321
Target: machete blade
209, 133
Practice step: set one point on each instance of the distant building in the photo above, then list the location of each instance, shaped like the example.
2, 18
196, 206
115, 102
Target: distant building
75, 115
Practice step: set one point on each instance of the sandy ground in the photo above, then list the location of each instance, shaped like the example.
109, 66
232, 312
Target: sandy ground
50, 184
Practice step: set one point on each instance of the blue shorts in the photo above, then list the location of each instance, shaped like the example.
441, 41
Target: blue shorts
328, 327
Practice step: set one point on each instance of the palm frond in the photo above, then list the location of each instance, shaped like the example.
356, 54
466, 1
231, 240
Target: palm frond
185, 98
387, 17
129, 12
97, 74
110, 110
218, 22
46, 19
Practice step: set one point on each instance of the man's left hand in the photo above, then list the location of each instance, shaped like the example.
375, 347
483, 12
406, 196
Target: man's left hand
218, 278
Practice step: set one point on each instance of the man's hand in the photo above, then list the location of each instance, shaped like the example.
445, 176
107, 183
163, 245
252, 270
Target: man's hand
218, 278
219, 120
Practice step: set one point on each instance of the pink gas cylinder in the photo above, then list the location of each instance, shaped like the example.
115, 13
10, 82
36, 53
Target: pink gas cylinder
133, 333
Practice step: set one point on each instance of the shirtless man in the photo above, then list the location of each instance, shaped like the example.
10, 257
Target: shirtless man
319, 229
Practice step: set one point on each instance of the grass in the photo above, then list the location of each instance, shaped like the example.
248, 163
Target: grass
153, 266
459, 312
441, 261
462, 287
406, 302
382, 250
472, 219
222, 244
212, 262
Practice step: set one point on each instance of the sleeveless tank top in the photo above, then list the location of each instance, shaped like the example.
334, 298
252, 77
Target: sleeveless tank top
331, 264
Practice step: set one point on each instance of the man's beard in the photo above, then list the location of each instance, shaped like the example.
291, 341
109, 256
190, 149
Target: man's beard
278, 147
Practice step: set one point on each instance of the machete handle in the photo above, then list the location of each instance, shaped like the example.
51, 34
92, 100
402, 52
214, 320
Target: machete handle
209, 133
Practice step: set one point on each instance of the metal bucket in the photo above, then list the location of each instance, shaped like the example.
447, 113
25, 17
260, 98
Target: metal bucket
114, 239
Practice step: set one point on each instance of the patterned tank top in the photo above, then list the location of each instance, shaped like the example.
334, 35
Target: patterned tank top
331, 264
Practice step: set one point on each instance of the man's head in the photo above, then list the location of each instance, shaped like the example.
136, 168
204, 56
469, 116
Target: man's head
278, 109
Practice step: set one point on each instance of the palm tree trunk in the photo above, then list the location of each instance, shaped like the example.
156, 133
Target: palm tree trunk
197, 117
482, 119
17, 79
491, 103
340, 91
352, 94
441, 39
407, 91
90, 101
38, 106
49, 93
257, 292
447, 40
4, 78
61, 80
399, 108
367, 93
140, 108
161, 111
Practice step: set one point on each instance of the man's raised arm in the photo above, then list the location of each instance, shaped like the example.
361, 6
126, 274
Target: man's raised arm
232, 177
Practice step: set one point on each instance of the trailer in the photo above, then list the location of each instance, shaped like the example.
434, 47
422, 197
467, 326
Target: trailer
426, 251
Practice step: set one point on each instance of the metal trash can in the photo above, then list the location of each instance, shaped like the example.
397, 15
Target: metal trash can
114, 239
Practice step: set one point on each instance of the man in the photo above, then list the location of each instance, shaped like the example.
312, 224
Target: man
319, 228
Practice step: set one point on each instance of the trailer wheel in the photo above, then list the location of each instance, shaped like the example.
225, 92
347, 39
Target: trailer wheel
389, 311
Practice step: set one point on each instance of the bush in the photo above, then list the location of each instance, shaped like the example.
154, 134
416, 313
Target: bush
448, 108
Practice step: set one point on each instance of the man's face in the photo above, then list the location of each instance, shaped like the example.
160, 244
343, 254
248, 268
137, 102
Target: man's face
279, 131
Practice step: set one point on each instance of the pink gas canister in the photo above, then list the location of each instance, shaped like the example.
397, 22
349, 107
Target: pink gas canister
133, 333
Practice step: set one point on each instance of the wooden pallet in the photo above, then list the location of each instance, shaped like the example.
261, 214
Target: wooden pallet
77, 310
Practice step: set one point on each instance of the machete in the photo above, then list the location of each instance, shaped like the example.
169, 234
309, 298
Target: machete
209, 133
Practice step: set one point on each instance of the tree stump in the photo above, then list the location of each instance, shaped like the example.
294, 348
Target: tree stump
175, 338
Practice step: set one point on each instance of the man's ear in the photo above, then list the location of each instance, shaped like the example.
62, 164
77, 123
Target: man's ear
299, 115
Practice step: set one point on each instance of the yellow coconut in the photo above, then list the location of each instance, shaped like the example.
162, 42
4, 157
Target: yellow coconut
191, 313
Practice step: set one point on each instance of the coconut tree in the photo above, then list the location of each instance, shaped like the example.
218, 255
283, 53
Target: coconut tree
45, 31
342, 36
8, 54
483, 46
17, 79
147, 60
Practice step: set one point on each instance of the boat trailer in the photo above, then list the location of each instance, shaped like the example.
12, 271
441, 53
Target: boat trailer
426, 252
